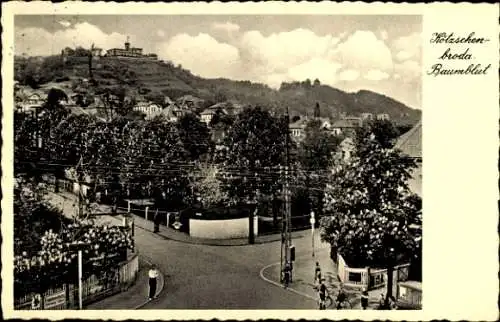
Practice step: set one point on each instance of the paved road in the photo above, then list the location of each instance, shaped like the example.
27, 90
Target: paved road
216, 277
213, 277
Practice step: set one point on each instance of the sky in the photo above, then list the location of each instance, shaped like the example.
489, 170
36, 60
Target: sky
378, 53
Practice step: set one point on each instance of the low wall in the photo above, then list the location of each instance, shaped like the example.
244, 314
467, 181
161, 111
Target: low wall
369, 278
222, 229
94, 289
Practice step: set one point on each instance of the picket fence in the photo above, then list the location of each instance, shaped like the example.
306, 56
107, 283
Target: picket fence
94, 289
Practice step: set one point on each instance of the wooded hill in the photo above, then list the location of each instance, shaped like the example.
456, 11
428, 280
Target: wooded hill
142, 77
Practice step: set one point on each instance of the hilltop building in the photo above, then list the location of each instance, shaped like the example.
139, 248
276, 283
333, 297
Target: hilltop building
128, 51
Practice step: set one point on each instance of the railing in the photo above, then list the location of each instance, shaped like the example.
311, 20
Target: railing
94, 288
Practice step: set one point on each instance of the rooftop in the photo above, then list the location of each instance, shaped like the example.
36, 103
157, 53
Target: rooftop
410, 143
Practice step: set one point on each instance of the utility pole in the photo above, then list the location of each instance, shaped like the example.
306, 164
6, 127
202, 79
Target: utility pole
286, 237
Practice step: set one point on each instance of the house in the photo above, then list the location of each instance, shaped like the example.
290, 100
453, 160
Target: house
346, 148
365, 117
297, 129
325, 123
207, 115
346, 125
127, 51
410, 143
148, 108
34, 99
383, 117
168, 114
29, 101
409, 295
189, 102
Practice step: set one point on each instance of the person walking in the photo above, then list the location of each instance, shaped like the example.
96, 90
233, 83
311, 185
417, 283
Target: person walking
287, 272
364, 299
341, 297
153, 276
317, 274
156, 221
322, 294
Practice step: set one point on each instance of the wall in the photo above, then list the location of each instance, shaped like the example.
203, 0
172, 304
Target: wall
222, 229
377, 277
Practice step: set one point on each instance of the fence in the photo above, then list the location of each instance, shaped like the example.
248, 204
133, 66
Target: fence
94, 289
369, 278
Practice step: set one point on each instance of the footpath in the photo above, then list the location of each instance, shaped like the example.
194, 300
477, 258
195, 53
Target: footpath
303, 279
135, 296
167, 232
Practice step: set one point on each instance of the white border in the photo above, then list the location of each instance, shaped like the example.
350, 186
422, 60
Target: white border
460, 142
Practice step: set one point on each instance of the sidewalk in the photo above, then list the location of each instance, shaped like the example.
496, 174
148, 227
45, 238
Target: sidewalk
67, 202
303, 279
169, 233
135, 296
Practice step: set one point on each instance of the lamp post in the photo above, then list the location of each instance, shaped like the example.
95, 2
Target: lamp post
312, 220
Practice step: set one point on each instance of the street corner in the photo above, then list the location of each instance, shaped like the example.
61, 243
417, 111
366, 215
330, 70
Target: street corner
271, 274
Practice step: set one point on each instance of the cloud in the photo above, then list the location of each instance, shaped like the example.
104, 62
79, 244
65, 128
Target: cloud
160, 33
408, 70
349, 75
403, 55
202, 54
64, 23
362, 51
38, 41
408, 47
324, 70
376, 75
226, 26
284, 50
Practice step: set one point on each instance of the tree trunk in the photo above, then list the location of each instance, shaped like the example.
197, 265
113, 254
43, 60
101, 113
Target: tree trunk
390, 274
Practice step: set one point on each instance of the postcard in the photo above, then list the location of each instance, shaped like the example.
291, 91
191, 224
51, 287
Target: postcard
250, 160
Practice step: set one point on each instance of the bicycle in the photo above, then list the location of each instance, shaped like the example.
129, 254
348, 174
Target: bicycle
344, 305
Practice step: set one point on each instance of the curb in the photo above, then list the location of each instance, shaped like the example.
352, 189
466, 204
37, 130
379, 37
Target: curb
161, 284
261, 273
209, 242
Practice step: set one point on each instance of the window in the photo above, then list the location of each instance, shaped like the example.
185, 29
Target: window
354, 277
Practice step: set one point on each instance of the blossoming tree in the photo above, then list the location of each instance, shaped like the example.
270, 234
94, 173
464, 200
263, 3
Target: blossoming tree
370, 211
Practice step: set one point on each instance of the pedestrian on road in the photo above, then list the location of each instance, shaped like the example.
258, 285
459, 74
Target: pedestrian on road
287, 272
317, 273
156, 221
341, 297
364, 299
322, 293
153, 275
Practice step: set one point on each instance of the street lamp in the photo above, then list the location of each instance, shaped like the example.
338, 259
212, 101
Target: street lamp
312, 220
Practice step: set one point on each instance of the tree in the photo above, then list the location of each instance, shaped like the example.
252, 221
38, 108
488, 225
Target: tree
315, 158
317, 82
370, 210
54, 97
255, 147
383, 131
194, 135
207, 186
156, 97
